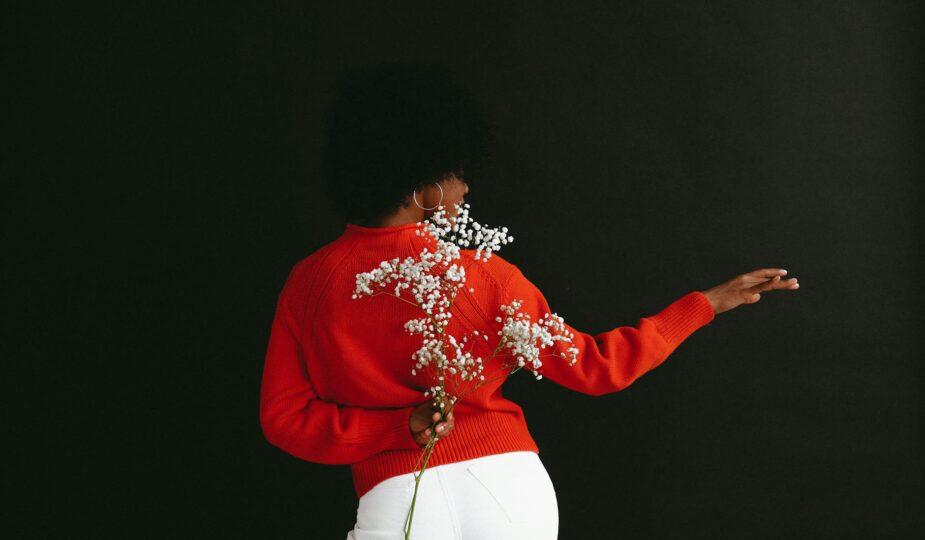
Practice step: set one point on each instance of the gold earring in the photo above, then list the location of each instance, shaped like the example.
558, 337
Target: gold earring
414, 195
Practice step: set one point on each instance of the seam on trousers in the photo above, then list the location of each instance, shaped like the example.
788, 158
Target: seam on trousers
451, 506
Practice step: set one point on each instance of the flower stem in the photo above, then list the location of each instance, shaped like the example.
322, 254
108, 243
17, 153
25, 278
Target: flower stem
417, 481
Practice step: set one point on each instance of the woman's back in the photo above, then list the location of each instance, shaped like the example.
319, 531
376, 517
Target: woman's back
338, 386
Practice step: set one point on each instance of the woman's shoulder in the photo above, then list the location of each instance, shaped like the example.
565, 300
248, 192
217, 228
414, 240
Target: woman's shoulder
304, 267
494, 268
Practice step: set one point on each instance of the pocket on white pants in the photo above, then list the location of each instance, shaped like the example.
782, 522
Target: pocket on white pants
520, 486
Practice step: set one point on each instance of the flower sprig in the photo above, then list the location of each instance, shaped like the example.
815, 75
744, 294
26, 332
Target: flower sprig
463, 231
524, 339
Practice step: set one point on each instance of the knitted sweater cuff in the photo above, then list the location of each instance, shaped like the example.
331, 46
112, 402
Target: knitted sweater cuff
683, 317
391, 425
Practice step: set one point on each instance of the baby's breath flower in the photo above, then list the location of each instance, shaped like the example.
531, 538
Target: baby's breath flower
525, 339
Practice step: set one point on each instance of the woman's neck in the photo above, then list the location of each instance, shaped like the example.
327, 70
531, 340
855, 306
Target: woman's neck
402, 216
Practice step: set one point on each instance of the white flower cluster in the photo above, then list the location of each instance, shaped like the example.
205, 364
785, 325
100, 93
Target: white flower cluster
525, 339
462, 363
464, 231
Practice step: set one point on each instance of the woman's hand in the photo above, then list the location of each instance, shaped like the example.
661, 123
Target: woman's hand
422, 421
747, 288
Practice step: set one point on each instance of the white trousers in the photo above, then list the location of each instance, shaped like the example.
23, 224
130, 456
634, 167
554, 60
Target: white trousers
505, 496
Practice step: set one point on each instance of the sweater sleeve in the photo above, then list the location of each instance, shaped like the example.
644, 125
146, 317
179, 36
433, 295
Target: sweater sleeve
293, 417
610, 361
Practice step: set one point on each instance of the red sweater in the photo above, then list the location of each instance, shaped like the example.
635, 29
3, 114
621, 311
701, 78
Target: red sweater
337, 386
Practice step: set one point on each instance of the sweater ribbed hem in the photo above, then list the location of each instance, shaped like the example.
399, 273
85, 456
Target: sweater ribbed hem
476, 433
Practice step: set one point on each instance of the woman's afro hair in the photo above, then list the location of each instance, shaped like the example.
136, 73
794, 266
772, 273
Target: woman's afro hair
394, 127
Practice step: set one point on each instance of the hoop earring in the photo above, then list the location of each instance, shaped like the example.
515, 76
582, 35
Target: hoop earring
415, 197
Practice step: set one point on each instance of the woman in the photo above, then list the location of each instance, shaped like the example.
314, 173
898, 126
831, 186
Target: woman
403, 141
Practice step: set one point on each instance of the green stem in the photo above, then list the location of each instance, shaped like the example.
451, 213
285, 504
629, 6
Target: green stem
417, 481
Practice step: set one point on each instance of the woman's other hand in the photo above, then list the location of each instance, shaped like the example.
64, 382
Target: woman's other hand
747, 288
422, 421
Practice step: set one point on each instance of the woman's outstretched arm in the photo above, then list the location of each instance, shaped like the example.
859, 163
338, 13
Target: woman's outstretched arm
296, 420
610, 361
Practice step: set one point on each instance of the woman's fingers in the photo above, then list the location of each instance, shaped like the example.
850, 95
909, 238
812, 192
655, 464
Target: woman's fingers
753, 294
767, 285
446, 426
761, 276
424, 436
443, 428
786, 284
767, 273
774, 283
747, 288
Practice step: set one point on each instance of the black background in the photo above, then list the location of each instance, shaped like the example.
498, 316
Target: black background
162, 175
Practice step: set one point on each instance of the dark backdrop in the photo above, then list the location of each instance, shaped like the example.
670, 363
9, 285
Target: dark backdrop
162, 176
